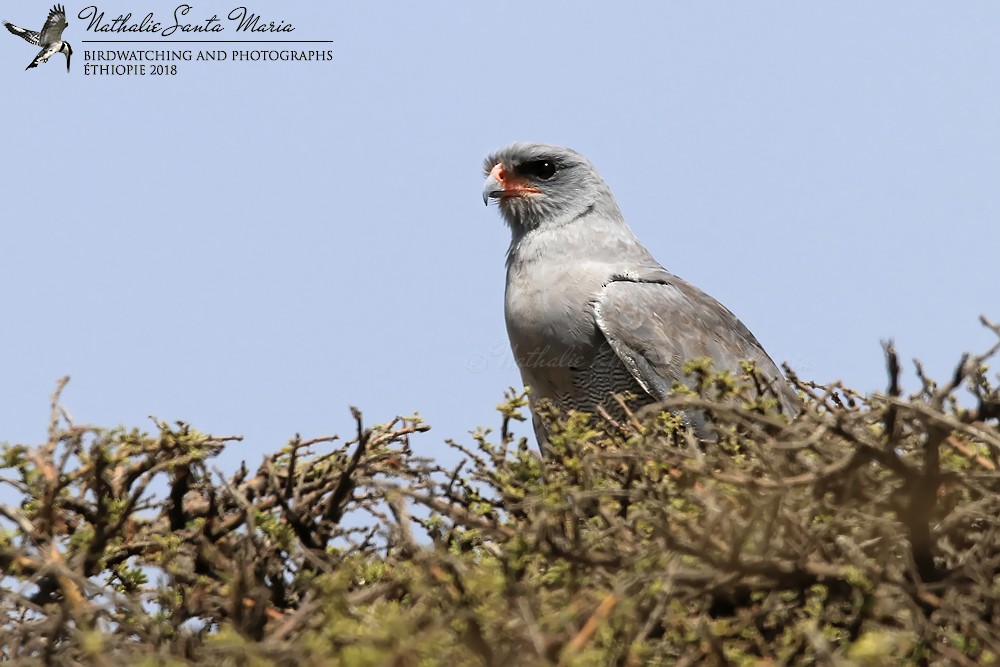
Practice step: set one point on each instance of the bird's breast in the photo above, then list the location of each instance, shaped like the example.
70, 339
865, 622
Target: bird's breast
552, 331
548, 316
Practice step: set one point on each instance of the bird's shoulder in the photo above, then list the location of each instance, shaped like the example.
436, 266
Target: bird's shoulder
655, 321
667, 298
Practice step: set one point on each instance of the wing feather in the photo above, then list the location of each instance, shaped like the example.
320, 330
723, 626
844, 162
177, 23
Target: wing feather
29, 36
54, 25
655, 322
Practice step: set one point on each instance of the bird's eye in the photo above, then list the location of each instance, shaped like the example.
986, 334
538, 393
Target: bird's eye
543, 169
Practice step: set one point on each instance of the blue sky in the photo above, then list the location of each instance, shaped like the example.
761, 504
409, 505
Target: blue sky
252, 247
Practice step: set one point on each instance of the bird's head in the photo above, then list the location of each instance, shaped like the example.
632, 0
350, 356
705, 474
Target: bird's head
538, 185
68, 50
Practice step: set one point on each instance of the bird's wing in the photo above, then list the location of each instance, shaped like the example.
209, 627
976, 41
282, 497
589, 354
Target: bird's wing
654, 321
54, 25
43, 55
29, 36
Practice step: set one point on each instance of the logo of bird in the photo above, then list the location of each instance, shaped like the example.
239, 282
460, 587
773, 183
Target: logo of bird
49, 37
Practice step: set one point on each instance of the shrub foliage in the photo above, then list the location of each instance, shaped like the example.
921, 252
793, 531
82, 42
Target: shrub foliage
864, 531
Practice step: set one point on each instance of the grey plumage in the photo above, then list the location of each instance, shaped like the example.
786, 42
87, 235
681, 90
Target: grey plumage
589, 312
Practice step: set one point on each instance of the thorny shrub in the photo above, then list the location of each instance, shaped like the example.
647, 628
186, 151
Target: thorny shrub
864, 531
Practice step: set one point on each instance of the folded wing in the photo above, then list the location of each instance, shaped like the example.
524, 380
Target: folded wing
655, 322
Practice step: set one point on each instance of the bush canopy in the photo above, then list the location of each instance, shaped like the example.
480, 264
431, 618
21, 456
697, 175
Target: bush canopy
865, 531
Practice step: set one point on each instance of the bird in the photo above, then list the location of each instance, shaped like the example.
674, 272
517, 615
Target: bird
589, 312
49, 38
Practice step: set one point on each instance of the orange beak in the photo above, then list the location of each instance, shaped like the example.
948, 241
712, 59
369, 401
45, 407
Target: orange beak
501, 184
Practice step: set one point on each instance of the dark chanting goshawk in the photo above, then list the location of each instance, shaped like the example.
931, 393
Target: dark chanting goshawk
589, 312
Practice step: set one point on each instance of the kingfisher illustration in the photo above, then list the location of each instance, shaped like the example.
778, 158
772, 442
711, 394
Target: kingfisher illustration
49, 38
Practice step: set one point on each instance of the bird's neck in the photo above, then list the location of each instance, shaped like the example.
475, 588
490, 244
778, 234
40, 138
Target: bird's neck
593, 236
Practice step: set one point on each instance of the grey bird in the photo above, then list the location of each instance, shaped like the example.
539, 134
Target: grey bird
589, 312
49, 38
